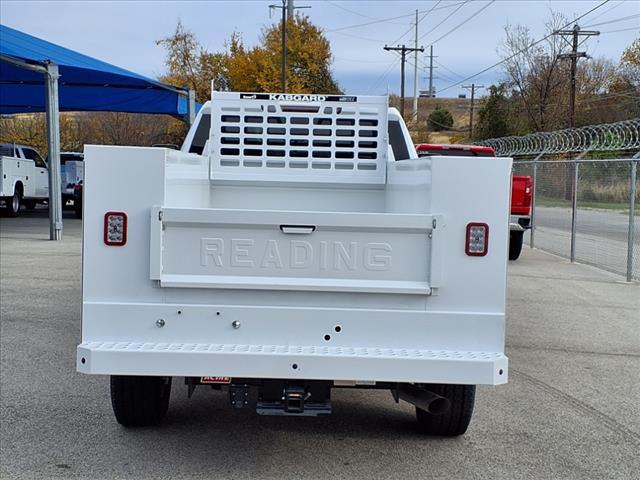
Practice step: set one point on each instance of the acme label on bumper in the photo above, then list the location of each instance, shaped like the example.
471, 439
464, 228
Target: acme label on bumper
216, 380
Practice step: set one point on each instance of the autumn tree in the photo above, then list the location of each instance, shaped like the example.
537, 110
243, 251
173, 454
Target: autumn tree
243, 68
82, 128
625, 86
190, 65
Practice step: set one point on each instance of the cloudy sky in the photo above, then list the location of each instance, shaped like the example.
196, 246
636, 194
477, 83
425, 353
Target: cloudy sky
465, 34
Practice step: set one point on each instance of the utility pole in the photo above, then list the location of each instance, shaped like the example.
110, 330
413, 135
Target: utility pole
575, 33
472, 87
414, 114
288, 10
403, 49
431, 95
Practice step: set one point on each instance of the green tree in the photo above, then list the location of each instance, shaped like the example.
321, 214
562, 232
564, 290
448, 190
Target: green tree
440, 119
494, 114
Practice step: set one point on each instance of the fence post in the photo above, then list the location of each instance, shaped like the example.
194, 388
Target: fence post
533, 199
632, 207
574, 210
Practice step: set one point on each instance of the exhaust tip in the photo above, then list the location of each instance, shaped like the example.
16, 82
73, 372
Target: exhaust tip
439, 405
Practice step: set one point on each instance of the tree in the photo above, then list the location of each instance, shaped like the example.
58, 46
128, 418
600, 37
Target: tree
79, 129
494, 115
440, 119
535, 74
257, 68
189, 65
630, 63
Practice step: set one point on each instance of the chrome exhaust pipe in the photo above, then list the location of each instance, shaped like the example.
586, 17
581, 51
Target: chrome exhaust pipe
423, 399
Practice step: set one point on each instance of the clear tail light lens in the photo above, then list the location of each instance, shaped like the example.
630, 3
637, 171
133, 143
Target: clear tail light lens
477, 241
115, 229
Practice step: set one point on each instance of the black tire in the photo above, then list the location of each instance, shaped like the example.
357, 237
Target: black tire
455, 421
77, 208
13, 204
140, 401
29, 204
515, 244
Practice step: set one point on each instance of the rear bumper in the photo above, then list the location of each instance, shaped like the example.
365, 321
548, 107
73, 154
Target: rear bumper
292, 362
519, 223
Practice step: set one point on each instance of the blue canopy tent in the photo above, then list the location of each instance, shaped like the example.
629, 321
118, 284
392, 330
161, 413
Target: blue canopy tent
85, 84
39, 76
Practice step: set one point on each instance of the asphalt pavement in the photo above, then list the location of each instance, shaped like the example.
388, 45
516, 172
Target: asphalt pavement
601, 236
571, 409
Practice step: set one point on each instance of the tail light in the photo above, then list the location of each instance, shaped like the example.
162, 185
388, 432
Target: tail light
528, 192
477, 241
115, 229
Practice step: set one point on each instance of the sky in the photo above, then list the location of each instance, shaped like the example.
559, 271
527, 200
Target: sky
465, 34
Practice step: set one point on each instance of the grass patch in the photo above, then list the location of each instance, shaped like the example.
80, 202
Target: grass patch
562, 203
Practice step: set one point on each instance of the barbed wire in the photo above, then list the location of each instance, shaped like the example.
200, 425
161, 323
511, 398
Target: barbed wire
624, 135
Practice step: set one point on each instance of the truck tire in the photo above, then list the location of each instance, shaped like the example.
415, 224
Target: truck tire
13, 204
77, 208
515, 244
140, 401
455, 421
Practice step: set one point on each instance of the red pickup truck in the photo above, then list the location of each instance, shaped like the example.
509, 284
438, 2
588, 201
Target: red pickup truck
521, 189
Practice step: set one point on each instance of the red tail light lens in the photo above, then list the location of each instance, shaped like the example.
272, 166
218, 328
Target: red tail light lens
528, 192
477, 241
115, 229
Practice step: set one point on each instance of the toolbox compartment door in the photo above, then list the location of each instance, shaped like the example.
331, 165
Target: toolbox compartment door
290, 250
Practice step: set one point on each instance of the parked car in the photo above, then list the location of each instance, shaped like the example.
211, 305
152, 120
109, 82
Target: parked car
286, 251
77, 199
71, 174
24, 178
521, 190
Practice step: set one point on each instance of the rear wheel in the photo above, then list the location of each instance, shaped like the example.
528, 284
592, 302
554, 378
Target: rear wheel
454, 421
13, 204
140, 401
515, 244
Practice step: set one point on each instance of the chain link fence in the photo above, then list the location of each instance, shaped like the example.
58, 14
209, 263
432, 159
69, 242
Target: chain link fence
587, 211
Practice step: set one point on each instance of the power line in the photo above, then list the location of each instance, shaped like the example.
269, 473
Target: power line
445, 19
491, 67
448, 69
390, 18
602, 14
616, 20
622, 30
420, 20
373, 40
384, 75
360, 60
463, 22
355, 12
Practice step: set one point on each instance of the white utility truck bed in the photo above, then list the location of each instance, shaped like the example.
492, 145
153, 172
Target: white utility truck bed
304, 247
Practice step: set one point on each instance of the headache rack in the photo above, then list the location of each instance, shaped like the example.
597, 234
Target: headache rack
298, 138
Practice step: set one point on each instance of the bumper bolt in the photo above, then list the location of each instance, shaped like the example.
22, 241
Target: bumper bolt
160, 322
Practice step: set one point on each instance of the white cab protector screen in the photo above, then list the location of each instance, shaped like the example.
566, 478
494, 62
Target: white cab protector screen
298, 138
